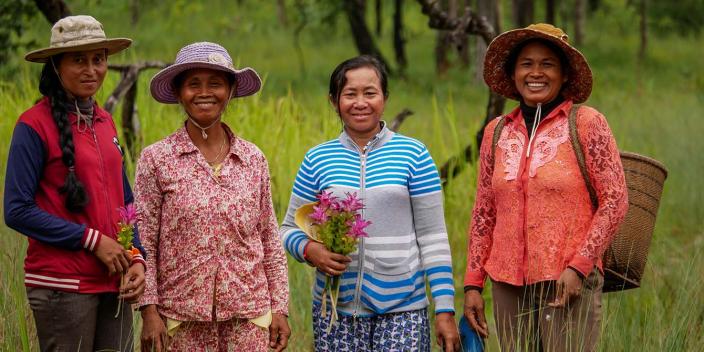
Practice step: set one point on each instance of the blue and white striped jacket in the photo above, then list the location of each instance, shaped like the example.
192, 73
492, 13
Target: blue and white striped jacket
398, 182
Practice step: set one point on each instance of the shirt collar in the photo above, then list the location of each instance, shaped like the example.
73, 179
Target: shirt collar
515, 116
376, 142
184, 145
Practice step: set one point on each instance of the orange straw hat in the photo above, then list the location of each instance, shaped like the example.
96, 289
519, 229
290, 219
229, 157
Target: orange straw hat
579, 76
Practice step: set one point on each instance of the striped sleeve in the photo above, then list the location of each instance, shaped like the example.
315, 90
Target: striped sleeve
424, 175
431, 233
304, 191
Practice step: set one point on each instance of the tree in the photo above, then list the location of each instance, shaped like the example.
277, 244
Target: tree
643, 11
355, 10
550, 11
13, 15
522, 12
399, 38
469, 23
580, 9
53, 10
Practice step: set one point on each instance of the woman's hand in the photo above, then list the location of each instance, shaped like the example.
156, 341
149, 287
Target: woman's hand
133, 283
153, 330
474, 312
328, 262
112, 255
279, 332
569, 287
446, 332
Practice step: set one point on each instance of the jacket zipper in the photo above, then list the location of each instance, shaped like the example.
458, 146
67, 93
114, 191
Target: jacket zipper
102, 170
360, 245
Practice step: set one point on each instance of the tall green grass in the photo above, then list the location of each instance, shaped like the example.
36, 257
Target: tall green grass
653, 107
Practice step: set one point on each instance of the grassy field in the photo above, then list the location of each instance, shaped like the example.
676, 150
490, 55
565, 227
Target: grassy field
653, 108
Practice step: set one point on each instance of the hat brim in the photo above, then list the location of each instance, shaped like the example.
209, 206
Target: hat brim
579, 77
113, 46
163, 90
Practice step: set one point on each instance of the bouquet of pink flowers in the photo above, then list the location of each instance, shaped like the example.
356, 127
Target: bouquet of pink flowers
336, 224
125, 236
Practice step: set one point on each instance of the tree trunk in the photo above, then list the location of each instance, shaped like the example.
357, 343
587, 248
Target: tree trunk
443, 41
281, 13
550, 11
580, 9
490, 10
53, 10
378, 12
399, 39
362, 37
130, 122
522, 12
642, 51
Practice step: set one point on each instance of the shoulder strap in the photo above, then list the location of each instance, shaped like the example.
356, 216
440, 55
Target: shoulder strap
497, 133
577, 146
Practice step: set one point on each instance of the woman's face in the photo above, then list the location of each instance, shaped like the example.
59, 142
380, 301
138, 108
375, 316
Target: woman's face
204, 93
82, 73
361, 101
538, 74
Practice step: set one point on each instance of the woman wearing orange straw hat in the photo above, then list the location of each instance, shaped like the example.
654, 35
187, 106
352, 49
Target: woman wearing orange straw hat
535, 231
64, 186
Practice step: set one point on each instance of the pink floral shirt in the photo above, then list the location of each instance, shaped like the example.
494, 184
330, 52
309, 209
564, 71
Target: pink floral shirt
212, 241
532, 214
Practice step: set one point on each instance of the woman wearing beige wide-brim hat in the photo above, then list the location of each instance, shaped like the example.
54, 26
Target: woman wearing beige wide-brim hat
64, 188
536, 230
217, 278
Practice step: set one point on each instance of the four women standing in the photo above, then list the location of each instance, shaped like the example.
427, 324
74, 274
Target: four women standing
216, 275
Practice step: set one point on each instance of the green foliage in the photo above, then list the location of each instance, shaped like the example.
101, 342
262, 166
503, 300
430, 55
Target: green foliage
13, 17
682, 17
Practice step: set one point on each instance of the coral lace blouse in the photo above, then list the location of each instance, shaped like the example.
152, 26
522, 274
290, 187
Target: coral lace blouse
532, 215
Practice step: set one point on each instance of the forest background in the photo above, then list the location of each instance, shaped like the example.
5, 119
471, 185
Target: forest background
649, 83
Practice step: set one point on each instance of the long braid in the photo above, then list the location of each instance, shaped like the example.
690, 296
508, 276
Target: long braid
50, 86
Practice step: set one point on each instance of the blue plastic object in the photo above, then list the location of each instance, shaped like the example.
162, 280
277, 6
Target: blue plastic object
471, 341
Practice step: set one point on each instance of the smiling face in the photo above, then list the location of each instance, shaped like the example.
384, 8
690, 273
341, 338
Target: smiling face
361, 103
82, 72
204, 93
538, 74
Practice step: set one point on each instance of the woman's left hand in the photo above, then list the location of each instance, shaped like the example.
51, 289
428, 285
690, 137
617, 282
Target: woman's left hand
569, 287
133, 283
279, 332
447, 335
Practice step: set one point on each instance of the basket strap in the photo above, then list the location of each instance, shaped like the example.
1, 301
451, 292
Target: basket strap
579, 152
497, 134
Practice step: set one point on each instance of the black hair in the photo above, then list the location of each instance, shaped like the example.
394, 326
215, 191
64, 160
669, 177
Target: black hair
50, 86
510, 65
338, 78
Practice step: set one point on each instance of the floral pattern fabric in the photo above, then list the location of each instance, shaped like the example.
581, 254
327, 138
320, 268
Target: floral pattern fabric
227, 336
212, 240
532, 216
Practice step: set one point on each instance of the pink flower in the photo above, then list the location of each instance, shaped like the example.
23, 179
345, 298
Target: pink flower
326, 198
352, 203
357, 227
128, 214
319, 214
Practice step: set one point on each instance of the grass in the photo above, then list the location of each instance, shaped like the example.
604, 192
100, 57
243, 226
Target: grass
652, 107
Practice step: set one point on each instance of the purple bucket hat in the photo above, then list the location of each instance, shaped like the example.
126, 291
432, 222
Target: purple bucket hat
202, 55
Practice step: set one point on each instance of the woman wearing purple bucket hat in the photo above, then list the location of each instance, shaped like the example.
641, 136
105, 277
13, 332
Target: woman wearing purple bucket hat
64, 187
218, 279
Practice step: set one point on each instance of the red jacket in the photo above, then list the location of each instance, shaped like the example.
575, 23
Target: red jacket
60, 254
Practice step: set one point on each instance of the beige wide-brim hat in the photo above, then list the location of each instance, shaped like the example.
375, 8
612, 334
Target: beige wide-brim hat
579, 76
77, 33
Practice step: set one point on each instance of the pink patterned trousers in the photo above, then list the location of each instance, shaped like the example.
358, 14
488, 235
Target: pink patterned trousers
226, 336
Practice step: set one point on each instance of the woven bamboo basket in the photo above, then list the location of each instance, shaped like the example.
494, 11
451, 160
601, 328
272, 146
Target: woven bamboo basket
624, 260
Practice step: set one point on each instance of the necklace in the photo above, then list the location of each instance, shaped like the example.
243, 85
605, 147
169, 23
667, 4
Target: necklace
222, 148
